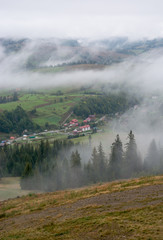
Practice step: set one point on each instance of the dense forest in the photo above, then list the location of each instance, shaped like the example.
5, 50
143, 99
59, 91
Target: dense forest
16, 121
105, 104
59, 165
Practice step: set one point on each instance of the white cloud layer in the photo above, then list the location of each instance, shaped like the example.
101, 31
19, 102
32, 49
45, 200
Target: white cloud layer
76, 18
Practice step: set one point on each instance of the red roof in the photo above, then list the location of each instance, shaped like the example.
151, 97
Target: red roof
12, 137
74, 120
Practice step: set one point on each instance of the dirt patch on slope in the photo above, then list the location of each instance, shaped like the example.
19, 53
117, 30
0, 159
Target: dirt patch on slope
110, 202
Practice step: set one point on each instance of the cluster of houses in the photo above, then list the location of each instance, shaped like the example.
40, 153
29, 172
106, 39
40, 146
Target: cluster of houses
79, 127
7, 142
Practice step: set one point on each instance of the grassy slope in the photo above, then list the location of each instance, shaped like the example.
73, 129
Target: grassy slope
131, 209
50, 108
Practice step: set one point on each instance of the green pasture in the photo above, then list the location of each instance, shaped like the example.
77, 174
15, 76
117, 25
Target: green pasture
49, 107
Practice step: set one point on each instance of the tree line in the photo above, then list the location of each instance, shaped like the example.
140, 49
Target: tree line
59, 165
104, 104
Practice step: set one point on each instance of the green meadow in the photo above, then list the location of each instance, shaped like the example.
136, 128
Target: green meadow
49, 108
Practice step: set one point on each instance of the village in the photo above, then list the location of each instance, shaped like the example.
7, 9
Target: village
72, 129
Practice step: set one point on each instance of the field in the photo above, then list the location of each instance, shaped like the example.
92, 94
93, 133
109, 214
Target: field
50, 108
10, 188
127, 209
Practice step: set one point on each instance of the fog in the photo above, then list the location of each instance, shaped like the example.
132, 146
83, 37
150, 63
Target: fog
139, 75
143, 72
46, 25
88, 19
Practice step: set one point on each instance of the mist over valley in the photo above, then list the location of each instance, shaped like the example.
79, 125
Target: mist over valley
81, 119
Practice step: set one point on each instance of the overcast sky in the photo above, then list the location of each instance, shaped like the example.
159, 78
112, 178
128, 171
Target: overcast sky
81, 18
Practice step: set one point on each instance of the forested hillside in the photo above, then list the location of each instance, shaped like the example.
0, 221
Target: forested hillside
16, 121
105, 104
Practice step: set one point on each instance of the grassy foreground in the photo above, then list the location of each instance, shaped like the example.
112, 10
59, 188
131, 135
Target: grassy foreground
129, 209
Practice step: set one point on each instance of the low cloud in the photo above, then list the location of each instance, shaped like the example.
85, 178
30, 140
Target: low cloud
88, 19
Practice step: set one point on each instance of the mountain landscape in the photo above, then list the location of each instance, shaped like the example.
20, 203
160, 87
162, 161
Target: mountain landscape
81, 118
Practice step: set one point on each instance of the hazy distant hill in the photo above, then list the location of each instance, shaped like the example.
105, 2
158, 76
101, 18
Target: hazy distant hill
46, 53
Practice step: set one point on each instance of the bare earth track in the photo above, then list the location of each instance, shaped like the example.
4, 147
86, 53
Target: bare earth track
127, 212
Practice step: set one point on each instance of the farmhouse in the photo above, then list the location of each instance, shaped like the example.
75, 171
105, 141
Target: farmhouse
74, 122
85, 128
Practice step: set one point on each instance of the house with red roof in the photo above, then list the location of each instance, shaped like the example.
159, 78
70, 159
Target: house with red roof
74, 120
85, 128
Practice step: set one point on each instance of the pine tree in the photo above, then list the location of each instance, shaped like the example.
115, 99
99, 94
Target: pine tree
75, 159
26, 180
116, 159
132, 161
101, 163
76, 171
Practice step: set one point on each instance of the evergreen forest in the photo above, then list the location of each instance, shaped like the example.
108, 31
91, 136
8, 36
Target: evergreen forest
56, 165
16, 121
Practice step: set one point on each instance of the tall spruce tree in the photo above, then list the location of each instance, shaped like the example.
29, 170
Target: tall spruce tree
26, 180
76, 171
102, 173
75, 159
116, 159
132, 161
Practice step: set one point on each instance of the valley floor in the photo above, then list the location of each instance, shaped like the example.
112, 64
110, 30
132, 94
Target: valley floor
130, 209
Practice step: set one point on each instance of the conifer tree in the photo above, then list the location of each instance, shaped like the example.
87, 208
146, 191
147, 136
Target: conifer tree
101, 163
132, 161
26, 180
116, 159
75, 159
76, 171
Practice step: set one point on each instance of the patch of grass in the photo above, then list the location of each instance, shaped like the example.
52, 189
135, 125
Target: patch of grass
32, 195
49, 107
8, 207
90, 221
